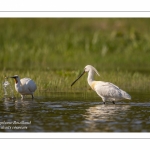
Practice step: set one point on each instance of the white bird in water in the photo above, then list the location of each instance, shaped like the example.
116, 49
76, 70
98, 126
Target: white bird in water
25, 86
106, 90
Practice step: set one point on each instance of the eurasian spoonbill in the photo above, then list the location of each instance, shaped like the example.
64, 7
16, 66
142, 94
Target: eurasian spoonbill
106, 90
25, 86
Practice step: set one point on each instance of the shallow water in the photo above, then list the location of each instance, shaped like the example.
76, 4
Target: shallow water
75, 112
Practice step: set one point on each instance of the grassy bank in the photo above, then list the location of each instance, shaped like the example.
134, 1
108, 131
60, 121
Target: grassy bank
60, 81
54, 51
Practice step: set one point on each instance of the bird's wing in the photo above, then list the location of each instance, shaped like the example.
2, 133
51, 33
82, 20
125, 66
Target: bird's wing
107, 89
30, 85
24, 80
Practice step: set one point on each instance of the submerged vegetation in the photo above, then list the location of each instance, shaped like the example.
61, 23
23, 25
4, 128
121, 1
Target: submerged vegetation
53, 51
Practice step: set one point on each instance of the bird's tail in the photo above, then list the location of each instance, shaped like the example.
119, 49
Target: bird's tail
125, 95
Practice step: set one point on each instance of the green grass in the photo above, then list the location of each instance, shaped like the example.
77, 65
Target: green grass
60, 81
53, 51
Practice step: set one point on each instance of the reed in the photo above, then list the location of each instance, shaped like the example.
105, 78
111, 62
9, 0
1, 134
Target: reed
53, 81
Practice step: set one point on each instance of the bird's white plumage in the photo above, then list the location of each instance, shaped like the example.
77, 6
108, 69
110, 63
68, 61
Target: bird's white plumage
25, 86
106, 90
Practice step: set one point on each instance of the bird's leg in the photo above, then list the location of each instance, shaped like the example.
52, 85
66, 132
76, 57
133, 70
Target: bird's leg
103, 98
32, 96
22, 97
113, 102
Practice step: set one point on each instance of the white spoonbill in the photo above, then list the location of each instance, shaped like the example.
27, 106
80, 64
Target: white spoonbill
106, 90
24, 86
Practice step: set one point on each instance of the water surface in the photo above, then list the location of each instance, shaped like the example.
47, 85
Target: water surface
75, 112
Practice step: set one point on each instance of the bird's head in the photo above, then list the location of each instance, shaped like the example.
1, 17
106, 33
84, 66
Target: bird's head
90, 68
86, 69
16, 78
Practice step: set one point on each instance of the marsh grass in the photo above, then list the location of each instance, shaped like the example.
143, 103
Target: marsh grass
50, 82
54, 51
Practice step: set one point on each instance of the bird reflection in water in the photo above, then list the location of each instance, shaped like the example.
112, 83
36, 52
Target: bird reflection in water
102, 117
19, 105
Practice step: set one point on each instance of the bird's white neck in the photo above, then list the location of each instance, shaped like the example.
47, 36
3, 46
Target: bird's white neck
18, 86
90, 78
